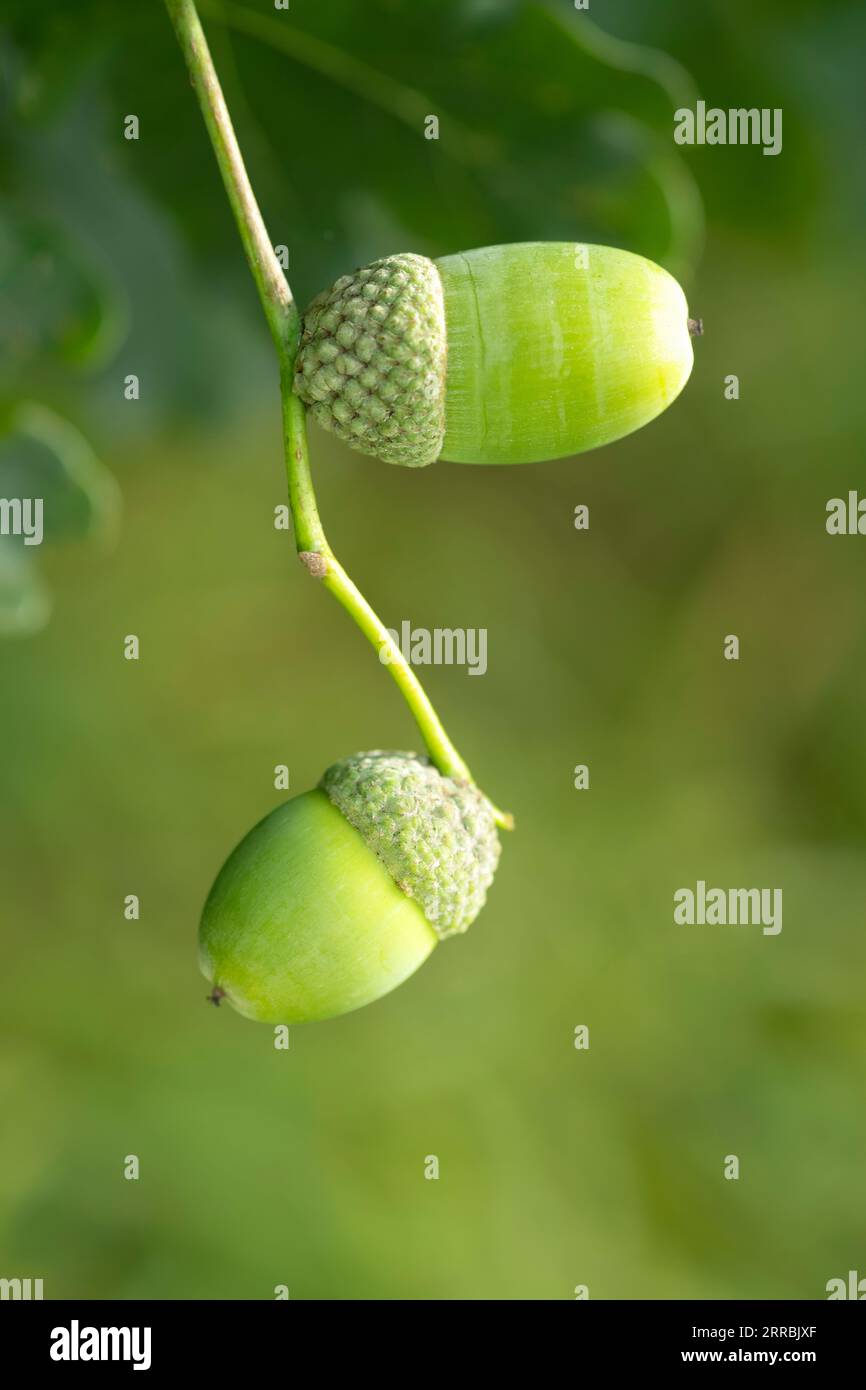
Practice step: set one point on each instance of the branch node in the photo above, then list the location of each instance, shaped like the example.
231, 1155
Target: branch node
314, 562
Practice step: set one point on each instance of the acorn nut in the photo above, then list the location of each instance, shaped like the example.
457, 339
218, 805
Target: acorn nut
339, 895
506, 354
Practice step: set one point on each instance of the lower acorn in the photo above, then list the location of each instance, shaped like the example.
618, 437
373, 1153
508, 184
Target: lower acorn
507, 354
339, 895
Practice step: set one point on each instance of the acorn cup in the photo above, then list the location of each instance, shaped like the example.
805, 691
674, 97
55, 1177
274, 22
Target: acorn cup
340, 894
507, 354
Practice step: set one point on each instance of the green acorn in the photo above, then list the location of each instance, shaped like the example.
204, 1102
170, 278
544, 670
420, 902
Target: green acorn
339, 895
508, 354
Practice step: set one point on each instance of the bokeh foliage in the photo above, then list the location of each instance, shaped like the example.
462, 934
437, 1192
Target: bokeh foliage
558, 1167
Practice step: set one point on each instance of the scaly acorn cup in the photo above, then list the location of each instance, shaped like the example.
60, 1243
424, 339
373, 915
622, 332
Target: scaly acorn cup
339, 895
508, 354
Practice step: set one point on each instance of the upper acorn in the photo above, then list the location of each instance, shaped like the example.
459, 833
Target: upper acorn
507, 354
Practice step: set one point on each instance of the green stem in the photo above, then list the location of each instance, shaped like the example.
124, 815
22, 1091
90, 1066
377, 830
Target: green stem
283, 320
272, 285
323, 564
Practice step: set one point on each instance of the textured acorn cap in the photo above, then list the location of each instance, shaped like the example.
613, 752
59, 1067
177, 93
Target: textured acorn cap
371, 360
437, 837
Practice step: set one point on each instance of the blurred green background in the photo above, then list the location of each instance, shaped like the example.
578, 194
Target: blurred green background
558, 1167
